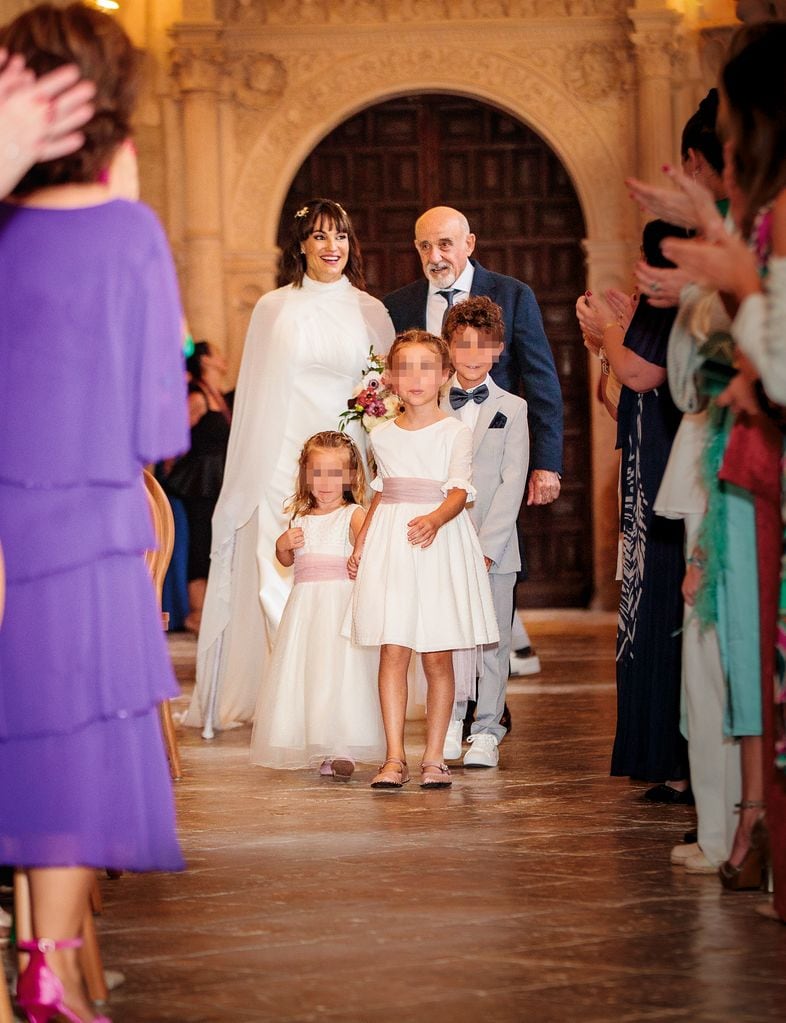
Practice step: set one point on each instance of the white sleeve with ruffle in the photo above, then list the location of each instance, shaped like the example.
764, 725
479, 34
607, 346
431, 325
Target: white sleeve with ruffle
759, 329
460, 467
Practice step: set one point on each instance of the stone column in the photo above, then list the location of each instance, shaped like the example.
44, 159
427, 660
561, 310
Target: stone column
655, 43
197, 65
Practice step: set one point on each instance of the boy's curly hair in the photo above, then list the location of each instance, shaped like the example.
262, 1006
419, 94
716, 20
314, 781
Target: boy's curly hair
477, 311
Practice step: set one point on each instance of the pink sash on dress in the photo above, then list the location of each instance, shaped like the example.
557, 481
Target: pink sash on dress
412, 489
320, 568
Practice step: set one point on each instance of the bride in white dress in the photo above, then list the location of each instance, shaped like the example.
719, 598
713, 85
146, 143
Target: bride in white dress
305, 350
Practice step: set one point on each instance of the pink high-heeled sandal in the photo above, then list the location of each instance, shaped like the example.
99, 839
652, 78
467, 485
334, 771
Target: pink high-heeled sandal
40, 991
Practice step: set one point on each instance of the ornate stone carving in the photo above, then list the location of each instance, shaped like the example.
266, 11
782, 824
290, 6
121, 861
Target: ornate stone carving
594, 71
256, 79
594, 150
198, 68
317, 12
655, 53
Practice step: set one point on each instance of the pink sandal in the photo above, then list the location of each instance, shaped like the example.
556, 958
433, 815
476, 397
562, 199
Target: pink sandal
393, 777
434, 775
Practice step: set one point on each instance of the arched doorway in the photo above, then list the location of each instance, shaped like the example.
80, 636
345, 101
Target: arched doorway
393, 160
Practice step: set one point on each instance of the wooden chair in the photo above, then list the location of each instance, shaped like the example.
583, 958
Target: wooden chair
157, 562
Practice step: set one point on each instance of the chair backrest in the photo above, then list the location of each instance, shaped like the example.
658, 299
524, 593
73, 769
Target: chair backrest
158, 560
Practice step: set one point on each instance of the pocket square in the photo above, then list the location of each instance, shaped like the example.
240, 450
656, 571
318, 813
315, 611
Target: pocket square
498, 422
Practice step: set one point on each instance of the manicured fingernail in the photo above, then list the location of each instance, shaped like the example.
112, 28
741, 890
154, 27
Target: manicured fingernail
589, 294
666, 168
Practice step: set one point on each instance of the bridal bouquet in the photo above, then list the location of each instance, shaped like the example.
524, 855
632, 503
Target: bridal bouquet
372, 401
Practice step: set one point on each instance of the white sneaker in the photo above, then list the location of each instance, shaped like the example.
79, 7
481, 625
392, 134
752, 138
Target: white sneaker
452, 748
699, 864
484, 751
524, 662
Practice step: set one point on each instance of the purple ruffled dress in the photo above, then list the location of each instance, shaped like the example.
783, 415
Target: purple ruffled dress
92, 387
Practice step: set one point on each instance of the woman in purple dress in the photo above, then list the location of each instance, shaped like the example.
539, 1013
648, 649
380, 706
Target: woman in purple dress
92, 388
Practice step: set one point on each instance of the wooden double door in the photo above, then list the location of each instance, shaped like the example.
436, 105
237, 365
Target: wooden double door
392, 161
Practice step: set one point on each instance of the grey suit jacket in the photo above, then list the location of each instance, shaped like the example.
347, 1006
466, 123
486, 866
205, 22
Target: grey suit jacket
500, 459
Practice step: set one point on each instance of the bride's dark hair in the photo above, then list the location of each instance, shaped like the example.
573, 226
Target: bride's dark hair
314, 215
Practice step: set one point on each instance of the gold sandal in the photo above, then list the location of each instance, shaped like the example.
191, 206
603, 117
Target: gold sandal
393, 778
434, 775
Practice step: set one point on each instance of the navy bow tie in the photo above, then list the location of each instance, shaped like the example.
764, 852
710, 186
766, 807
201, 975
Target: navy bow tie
459, 397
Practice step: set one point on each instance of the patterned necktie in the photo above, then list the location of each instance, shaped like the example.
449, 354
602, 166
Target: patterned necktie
458, 397
448, 296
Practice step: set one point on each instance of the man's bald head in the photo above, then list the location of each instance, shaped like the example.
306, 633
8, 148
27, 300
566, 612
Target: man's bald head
444, 243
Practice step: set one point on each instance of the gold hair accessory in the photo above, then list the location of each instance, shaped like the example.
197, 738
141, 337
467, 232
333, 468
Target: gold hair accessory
302, 212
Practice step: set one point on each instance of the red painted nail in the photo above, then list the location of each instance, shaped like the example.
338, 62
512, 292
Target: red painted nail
665, 168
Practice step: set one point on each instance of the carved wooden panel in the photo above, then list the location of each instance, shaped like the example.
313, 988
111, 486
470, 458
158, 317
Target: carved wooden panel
392, 161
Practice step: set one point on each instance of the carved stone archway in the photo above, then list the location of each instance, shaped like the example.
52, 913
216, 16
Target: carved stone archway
592, 152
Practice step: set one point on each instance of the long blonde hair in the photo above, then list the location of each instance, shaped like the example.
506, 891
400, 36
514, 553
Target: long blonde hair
302, 501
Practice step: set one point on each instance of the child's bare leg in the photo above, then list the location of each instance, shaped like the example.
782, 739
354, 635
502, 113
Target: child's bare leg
393, 665
438, 667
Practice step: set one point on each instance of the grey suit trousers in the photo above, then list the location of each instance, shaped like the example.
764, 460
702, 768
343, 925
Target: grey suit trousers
496, 662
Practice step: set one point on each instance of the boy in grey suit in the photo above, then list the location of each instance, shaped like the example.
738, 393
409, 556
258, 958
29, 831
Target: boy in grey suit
474, 329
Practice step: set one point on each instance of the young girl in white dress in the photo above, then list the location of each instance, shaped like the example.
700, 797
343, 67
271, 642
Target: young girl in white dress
421, 583
318, 702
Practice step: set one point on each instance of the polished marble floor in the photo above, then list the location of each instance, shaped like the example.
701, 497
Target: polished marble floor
539, 892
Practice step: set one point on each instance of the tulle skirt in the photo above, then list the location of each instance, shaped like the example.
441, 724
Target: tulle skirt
319, 698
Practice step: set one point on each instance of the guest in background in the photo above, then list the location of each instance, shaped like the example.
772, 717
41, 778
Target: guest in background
648, 744
196, 478
750, 271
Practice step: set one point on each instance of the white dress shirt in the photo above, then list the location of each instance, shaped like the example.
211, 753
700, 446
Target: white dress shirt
468, 414
436, 304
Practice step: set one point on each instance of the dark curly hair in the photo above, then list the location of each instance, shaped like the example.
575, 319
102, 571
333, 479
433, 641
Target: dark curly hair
49, 36
477, 311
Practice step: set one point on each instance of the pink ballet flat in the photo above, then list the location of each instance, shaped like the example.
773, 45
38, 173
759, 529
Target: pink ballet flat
39, 990
326, 769
434, 775
343, 768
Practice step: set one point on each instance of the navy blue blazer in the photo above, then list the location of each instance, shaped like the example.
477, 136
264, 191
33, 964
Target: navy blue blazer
526, 358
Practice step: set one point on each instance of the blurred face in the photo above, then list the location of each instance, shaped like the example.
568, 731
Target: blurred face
417, 375
473, 352
326, 251
444, 245
328, 476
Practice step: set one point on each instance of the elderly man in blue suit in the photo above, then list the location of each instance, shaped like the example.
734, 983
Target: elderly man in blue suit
445, 243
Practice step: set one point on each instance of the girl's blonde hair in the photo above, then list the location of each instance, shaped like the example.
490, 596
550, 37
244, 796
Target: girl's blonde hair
302, 501
420, 337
